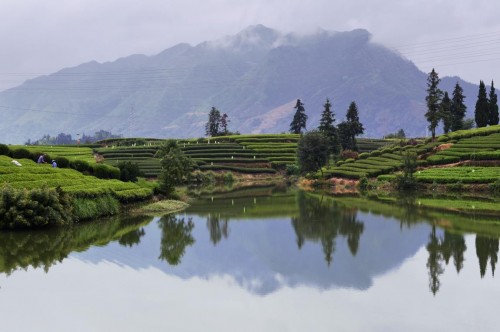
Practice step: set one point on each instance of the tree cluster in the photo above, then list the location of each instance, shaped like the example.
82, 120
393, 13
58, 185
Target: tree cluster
451, 111
440, 107
217, 124
316, 146
63, 138
486, 111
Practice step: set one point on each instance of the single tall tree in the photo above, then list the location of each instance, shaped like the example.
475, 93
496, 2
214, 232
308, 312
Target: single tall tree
445, 109
493, 106
433, 100
482, 108
224, 120
458, 108
212, 126
327, 127
299, 119
349, 129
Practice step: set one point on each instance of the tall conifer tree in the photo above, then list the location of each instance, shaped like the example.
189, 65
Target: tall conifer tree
327, 127
299, 119
446, 113
433, 100
458, 108
493, 106
481, 113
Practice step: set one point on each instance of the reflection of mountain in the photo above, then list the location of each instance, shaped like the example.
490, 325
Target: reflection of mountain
262, 253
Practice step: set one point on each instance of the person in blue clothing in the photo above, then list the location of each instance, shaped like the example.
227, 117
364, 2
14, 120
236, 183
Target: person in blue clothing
54, 164
41, 159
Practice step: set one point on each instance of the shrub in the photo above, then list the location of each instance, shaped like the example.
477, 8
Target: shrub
129, 171
363, 183
22, 208
22, 153
4, 150
62, 162
292, 169
457, 186
102, 171
80, 165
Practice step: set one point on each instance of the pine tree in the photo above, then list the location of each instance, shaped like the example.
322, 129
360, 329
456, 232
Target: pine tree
433, 100
445, 109
327, 127
458, 108
493, 106
224, 121
350, 128
299, 119
482, 107
212, 126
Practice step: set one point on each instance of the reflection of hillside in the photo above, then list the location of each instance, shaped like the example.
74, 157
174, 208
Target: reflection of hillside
44, 248
408, 211
441, 247
244, 204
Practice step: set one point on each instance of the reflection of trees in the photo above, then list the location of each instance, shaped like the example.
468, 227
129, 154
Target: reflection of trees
44, 248
486, 248
131, 238
176, 236
322, 220
217, 228
441, 249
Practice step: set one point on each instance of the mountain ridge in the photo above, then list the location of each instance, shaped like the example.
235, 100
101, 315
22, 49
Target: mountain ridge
252, 76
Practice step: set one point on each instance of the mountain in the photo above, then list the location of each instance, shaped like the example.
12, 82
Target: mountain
254, 76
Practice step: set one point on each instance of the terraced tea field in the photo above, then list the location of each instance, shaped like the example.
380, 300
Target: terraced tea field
32, 175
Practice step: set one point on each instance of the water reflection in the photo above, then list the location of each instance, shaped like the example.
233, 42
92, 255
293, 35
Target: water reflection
267, 238
486, 249
321, 219
47, 247
175, 237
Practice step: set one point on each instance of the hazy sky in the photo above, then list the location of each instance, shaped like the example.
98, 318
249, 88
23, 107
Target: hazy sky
40, 37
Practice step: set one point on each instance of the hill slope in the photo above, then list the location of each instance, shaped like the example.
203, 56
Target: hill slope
254, 76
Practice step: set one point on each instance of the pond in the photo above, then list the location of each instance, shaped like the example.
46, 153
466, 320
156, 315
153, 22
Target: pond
264, 259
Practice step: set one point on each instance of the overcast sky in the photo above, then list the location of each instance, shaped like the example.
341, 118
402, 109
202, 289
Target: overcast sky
41, 37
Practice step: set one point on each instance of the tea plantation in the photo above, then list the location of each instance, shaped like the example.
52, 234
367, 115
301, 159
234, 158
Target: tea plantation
467, 156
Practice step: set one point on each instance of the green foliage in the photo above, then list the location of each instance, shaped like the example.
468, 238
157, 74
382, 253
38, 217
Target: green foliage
103, 171
62, 162
22, 153
407, 181
299, 121
493, 118
176, 167
4, 150
495, 187
23, 208
458, 109
481, 111
80, 165
292, 169
312, 151
446, 115
433, 99
129, 171
104, 205
349, 129
363, 183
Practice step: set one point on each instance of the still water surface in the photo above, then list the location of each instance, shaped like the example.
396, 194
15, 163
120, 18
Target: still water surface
257, 260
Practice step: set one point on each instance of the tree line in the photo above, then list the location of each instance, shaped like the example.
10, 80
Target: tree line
317, 146
451, 111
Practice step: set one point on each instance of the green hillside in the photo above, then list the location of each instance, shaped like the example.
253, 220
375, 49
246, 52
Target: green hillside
469, 156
